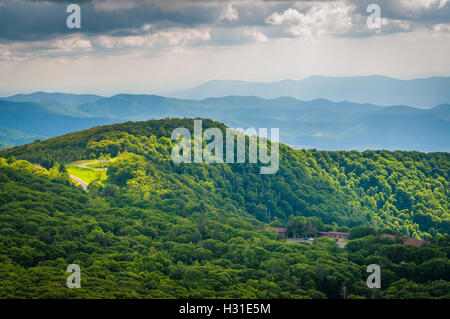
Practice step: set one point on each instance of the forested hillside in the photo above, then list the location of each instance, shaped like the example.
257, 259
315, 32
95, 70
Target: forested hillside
155, 229
406, 191
130, 248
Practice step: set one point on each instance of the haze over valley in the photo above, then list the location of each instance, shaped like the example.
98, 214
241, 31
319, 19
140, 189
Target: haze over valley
317, 123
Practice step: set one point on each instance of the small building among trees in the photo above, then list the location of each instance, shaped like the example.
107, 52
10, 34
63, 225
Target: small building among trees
405, 240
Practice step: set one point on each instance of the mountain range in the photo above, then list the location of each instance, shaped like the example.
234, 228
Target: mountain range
319, 123
375, 89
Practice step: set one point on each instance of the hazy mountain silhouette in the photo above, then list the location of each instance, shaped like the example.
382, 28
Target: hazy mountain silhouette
317, 124
380, 90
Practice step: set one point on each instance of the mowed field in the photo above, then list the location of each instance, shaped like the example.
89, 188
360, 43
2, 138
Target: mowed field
87, 175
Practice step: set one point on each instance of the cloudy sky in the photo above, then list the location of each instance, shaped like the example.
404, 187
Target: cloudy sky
152, 46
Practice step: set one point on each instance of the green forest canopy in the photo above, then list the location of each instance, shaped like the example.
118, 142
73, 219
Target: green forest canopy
155, 229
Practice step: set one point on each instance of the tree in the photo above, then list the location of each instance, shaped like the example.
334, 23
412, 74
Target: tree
62, 168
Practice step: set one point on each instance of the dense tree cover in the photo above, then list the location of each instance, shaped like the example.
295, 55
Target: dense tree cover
127, 250
405, 191
157, 229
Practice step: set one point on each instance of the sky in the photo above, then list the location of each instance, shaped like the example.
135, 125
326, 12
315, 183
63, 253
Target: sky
156, 46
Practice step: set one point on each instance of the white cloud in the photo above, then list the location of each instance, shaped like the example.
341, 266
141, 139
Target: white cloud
259, 36
184, 36
442, 28
78, 45
394, 24
21, 52
173, 37
71, 44
255, 34
108, 42
229, 13
322, 18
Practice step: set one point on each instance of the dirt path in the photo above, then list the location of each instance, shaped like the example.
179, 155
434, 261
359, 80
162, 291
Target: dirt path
94, 168
81, 182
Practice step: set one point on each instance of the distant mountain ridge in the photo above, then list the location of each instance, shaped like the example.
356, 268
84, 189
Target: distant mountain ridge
303, 124
4, 146
319, 123
23, 122
65, 98
375, 89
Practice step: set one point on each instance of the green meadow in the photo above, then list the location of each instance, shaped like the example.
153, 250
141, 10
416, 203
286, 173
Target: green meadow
86, 174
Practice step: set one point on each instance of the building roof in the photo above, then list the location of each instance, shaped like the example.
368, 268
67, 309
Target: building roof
406, 240
413, 241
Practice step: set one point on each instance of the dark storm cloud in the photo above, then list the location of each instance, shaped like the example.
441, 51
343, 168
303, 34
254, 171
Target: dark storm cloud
37, 20
32, 20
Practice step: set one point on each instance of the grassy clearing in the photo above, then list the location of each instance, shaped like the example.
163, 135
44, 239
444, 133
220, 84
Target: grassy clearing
93, 163
99, 165
87, 175
83, 162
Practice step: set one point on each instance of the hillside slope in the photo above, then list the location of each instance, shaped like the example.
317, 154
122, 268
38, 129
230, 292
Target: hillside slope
155, 229
407, 191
